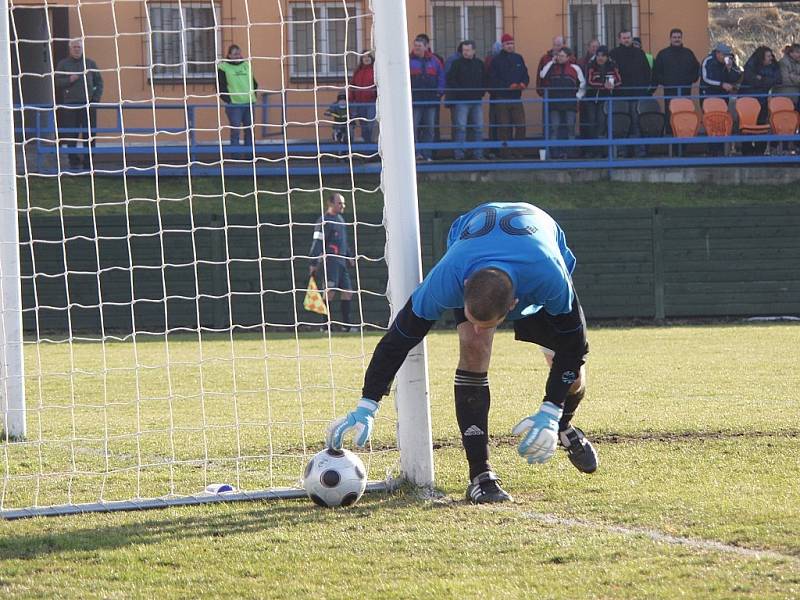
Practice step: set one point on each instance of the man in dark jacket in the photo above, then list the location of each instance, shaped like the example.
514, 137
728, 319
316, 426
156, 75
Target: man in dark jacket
466, 84
602, 79
676, 69
78, 84
427, 87
508, 76
636, 78
330, 250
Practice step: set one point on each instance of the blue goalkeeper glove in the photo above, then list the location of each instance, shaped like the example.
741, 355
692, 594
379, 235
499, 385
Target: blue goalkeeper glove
541, 433
360, 420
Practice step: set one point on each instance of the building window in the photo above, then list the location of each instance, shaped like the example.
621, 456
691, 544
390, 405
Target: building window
456, 21
601, 19
323, 39
183, 40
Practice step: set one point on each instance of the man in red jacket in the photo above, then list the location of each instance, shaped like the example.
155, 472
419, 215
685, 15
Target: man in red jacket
558, 44
566, 84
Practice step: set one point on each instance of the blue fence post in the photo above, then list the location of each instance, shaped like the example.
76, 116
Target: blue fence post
264, 114
191, 139
610, 130
38, 132
546, 121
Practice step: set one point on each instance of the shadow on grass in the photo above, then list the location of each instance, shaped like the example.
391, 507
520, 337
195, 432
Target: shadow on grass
188, 523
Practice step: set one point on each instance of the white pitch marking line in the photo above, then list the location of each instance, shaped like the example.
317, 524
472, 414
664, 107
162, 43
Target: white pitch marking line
656, 536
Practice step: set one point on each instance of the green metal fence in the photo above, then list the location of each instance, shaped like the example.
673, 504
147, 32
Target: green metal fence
648, 262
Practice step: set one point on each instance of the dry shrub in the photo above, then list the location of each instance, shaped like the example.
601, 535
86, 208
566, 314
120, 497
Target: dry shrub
744, 27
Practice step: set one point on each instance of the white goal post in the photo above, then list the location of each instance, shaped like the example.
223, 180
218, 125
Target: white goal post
166, 348
403, 240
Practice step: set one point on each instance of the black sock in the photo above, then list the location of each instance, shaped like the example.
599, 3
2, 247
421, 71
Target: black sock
345, 304
570, 406
472, 413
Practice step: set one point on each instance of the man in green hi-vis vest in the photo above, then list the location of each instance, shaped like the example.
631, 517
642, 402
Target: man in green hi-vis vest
237, 88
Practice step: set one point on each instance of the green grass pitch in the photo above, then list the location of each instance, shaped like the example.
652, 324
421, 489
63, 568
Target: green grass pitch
697, 494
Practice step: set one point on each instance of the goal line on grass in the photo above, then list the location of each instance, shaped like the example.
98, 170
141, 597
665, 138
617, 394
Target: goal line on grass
653, 535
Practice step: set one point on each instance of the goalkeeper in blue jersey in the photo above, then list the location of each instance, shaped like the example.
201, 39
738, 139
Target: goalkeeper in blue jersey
504, 261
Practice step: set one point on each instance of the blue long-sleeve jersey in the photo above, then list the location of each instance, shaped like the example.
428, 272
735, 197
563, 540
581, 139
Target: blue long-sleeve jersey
519, 239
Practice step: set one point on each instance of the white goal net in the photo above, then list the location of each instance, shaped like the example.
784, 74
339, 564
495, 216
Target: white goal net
157, 237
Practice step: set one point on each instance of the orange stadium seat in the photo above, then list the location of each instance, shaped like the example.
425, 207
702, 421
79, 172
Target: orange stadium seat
717, 120
683, 117
748, 110
783, 118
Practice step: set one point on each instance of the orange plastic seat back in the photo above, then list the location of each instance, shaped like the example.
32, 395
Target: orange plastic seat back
683, 117
784, 122
779, 103
684, 124
679, 105
718, 123
711, 105
748, 110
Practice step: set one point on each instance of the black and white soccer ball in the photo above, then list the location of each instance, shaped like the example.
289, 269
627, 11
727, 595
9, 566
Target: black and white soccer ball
335, 478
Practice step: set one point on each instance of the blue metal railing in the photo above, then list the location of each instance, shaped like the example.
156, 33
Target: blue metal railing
274, 150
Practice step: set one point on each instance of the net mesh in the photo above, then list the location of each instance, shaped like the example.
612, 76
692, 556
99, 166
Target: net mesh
164, 266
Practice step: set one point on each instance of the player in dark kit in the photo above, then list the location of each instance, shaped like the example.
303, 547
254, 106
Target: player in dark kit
503, 261
331, 243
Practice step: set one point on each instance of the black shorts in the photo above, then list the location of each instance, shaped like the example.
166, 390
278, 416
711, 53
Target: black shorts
560, 333
335, 275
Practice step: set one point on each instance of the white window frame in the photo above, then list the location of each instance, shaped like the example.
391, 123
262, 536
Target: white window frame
600, 19
466, 4
184, 6
321, 9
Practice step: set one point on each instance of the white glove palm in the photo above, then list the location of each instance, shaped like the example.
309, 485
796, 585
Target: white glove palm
541, 433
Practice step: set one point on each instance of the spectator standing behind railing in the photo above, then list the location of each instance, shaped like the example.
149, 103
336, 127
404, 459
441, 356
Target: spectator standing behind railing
636, 79
508, 75
363, 95
790, 74
565, 86
602, 79
466, 86
452, 106
719, 74
558, 44
237, 89
78, 85
427, 87
676, 69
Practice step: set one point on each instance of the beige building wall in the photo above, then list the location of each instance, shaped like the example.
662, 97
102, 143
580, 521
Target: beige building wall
115, 35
